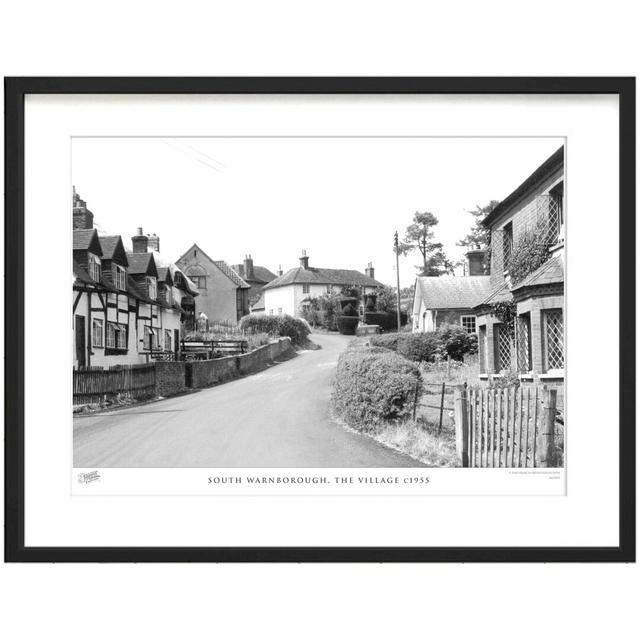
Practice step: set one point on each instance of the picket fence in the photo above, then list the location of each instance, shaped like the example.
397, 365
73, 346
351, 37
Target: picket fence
95, 384
508, 427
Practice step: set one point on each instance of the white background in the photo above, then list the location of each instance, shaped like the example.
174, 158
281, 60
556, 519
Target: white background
489, 38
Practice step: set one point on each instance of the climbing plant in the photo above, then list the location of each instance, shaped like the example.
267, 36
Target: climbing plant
506, 314
529, 253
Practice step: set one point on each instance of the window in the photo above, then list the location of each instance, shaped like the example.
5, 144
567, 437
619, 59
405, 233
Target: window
97, 332
553, 339
116, 336
119, 277
305, 288
502, 342
507, 243
468, 323
167, 339
199, 281
523, 343
150, 339
121, 337
112, 330
270, 312
95, 268
555, 214
152, 287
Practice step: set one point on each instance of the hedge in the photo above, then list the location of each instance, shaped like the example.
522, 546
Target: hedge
374, 386
281, 325
386, 320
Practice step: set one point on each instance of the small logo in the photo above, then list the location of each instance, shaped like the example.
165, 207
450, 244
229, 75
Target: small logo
90, 476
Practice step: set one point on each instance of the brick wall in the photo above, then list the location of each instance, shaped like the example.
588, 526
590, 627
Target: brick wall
170, 378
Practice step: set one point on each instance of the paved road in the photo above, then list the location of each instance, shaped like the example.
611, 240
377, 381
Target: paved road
276, 418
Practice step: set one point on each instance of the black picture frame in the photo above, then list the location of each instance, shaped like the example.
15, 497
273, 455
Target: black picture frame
15, 91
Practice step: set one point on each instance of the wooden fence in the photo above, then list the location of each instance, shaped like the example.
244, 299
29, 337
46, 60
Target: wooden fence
510, 427
95, 384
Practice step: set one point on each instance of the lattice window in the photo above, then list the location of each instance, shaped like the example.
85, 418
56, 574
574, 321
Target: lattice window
553, 328
549, 208
468, 323
523, 343
121, 337
507, 243
111, 335
503, 348
97, 333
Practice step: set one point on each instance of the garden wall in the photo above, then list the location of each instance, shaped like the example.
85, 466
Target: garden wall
204, 373
170, 378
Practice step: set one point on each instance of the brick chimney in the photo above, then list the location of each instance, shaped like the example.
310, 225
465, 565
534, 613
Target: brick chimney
248, 267
304, 260
140, 242
82, 217
369, 271
154, 242
279, 270
477, 262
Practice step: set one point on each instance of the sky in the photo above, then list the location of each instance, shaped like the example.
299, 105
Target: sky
339, 199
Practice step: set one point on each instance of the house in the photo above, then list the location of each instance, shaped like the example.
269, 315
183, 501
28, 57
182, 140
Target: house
126, 308
440, 300
289, 292
223, 294
255, 276
533, 344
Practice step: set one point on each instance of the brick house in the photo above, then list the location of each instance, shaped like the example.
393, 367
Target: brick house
533, 345
223, 294
255, 276
289, 292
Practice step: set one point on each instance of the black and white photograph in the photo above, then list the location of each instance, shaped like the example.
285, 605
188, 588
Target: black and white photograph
318, 302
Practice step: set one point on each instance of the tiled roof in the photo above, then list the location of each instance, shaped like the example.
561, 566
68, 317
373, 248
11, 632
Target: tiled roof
500, 294
452, 292
109, 246
260, 274
551, 272
164, 275
314, 275
231, 274
85, 239
141, 263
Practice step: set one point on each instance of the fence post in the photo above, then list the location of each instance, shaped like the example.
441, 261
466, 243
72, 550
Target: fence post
415, 401
441, 408
547, 432
462, 425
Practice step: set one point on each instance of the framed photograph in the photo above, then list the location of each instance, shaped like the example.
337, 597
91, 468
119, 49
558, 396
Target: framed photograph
320, 319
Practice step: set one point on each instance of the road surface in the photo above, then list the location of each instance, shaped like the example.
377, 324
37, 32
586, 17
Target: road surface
276, 418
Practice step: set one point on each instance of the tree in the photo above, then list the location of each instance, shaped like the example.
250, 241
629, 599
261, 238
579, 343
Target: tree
479, 234
420, 235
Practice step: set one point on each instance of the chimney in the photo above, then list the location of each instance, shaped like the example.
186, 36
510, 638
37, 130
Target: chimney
279, 270
477, 262
140, 242
369, 271
304, 260
82, 217
154, 242
248, 267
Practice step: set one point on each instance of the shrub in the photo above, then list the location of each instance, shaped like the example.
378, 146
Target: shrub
387, 340
421, 347
456, 341
285, 326
374, 386
347, 324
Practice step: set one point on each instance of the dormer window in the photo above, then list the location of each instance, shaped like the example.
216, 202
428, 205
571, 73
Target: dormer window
119, 277
152, 287
94, 267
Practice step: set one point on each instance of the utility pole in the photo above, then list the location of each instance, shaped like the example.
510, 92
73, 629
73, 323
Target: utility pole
397, 281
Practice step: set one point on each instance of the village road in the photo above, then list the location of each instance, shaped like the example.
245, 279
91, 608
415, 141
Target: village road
279, 417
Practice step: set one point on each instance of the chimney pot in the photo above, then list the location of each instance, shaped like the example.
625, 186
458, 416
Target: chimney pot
82, 217
304, 260
140, 242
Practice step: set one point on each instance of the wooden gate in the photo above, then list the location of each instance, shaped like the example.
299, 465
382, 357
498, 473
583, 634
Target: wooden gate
510, 427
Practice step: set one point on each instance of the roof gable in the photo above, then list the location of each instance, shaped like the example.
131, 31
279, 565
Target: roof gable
231, 274
142, 264
113, 249
87, 240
